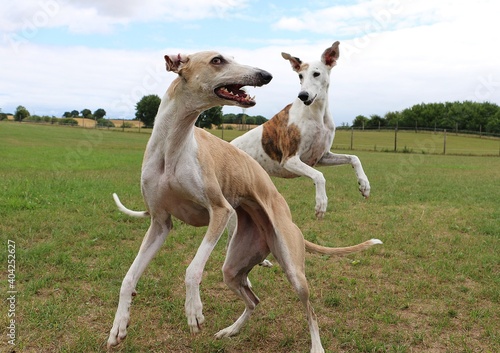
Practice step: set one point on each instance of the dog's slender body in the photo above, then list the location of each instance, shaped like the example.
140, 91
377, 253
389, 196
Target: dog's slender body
203, 181
300, 136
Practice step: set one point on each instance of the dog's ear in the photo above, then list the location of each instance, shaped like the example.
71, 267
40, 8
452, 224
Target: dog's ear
330, 55
295, 62
174, 63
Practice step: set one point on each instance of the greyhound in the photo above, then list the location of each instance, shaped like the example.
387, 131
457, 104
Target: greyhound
300, 136
202, 180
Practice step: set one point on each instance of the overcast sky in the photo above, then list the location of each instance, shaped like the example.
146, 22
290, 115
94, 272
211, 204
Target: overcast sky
61, 55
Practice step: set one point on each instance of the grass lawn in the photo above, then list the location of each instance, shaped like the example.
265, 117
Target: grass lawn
422, 142
434, 286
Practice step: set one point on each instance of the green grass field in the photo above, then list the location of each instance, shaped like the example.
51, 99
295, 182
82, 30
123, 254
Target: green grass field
407, 141
434, 286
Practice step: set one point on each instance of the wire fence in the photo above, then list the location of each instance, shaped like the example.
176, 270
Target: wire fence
425, 141
400, 139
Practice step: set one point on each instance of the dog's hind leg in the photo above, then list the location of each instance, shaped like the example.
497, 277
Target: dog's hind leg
151, 243
231, 228
290, 254
247, 249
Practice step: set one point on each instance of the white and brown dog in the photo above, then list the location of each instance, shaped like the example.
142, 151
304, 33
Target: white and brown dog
300, 136
202, 180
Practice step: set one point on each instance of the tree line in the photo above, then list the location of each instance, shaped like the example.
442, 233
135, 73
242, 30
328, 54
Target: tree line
147, 108
467, 115
23, 114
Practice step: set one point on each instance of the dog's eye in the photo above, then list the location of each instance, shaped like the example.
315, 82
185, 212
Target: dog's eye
300, 76
217, 60
316, 74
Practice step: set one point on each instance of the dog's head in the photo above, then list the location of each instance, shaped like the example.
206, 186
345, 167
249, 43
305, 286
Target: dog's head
314, 77
217, 79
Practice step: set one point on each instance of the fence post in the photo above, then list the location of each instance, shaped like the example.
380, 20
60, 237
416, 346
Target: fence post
396, 138
444, 142
352, 136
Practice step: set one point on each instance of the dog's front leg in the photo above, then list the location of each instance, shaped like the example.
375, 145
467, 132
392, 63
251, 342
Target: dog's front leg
219, 217
295, 165
332, 159
151, 243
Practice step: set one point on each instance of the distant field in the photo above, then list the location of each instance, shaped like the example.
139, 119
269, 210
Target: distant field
407, 141
421, 142
434, 286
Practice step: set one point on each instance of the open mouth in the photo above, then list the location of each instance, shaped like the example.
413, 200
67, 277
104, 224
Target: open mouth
235, 93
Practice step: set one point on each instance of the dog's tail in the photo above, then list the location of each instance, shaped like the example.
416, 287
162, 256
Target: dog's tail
125, 210
318, 249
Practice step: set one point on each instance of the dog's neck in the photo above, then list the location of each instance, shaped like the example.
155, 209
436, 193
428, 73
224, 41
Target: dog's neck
174, 122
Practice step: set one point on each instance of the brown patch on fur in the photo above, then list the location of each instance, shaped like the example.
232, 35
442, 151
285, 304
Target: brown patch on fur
280, 140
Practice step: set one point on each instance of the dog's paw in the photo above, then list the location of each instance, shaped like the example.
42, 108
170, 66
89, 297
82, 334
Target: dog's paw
195, 322
320, 215
118, 332
228, 331
321, 203
364, 187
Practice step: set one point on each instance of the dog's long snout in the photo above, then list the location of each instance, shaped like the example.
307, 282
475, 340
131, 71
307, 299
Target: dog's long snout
303, 96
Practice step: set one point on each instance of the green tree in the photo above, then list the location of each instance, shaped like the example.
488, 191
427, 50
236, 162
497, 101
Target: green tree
493, 125
392, 118
99, 113
86, 113
259, 119
360, 121
212, 116
147, 108
74, 113
67, 115
21, 113
250, 120
375, 121
229, 118
241, 118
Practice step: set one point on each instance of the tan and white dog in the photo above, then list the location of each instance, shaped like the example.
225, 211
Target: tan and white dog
300, 136
202, 180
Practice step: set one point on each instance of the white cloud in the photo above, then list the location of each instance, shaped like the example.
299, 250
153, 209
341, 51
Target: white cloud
343, 20
50, 82
96, 16
426, 53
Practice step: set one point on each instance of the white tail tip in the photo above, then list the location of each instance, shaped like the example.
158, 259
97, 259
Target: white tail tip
376, 241
126, 210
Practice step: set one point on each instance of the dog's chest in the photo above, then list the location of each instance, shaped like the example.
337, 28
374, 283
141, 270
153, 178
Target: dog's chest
316, 140
174, 185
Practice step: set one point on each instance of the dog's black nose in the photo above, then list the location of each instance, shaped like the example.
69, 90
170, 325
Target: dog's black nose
303, 96
265, 76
